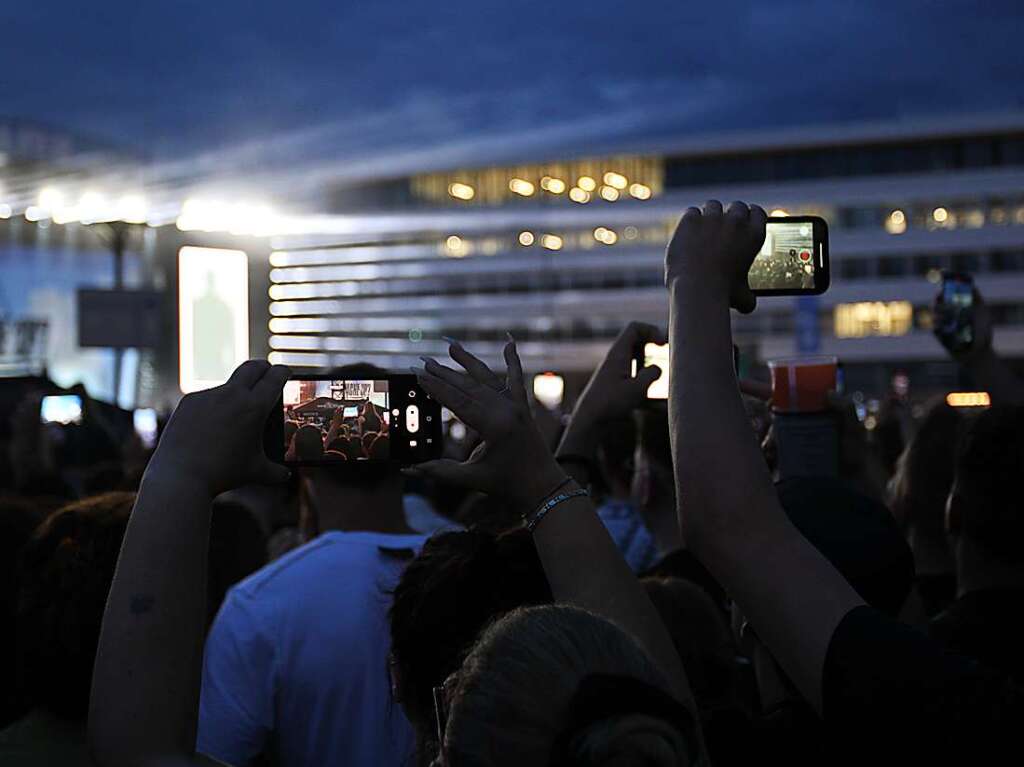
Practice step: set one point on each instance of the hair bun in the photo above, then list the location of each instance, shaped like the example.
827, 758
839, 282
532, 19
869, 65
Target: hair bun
630, 739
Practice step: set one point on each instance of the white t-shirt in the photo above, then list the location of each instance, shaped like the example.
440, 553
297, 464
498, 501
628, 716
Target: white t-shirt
297, 659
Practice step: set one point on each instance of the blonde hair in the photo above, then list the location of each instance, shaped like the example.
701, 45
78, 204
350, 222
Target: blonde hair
510, 702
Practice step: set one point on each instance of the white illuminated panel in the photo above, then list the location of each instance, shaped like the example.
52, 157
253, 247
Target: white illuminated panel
213, 315
549, 389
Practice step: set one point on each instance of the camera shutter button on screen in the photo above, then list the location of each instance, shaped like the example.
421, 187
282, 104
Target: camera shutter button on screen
412, 419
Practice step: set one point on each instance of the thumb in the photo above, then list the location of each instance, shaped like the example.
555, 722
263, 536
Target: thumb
447, 472
743, 299
646, 376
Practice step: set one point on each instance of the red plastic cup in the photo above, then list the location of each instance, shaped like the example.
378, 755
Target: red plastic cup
801, 384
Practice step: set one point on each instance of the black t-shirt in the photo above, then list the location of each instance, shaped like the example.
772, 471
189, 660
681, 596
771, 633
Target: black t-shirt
987, 625
891, 694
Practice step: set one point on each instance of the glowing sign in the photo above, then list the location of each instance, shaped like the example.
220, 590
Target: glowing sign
213, 315
968, 399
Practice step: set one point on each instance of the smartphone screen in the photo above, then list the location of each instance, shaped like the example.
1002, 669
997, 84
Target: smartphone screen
61, 408
654, 354
956, 320
793, 259
333, 421
145, 422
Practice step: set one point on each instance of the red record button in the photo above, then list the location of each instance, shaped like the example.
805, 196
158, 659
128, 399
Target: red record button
805, 255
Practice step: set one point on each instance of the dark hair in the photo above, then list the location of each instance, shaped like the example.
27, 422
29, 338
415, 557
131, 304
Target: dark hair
986, 506
309, 443
652, 434
290, 427
616, 439
857, 534
381, 448
65, 574
457, 585
238, 548
367, 441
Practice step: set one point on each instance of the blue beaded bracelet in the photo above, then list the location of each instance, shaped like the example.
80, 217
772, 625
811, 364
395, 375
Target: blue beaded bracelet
534, 519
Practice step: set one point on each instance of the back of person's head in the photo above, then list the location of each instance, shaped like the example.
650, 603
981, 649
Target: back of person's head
985, 505
65, 575
309, 443
560, 685
654, 478
290, 427
457, 584
702, 639
856, 534
925, 471
238, 548
367, 441
380, 449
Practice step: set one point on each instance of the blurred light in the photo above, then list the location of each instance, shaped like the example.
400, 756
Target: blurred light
242, 218
779, 212
213, 309
941, 215
615, 180
551, 242
873, 318
586, 183
640, 191
521, 187
870, 422
998, 215
896, 223
132, 209
549, 389
579, 195
461, 191
610, 193
415, 335
968, 399
33, 213
607, 236
1018, 215
974, 219
51, 199
456, 246
92, 207
526, 238
5, 210
630, 232
553, 185
934, 276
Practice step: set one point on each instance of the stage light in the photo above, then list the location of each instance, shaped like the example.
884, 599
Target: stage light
640, 191
941, 215
615, 180
896, 223
609, 193
521, 187
526, 238
551, 242
461, 191
579, 195
586, 183
553, 185
33, 213
549, 389
132, 209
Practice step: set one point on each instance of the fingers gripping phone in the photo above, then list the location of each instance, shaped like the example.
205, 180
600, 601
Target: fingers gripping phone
321, 420
954, 321
793, 259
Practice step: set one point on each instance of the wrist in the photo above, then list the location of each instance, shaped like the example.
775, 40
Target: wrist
179, 477
529, 494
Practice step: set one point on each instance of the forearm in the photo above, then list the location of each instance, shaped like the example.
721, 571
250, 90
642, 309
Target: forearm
729, 512
584, 568
576, 451
149, 659
992, 374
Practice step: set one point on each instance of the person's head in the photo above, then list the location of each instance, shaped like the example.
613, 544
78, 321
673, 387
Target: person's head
924, 473
702, 639
309, 443
653, 478
238, 548
290, 427
560, 685
380, 449
65, 574
457, 585
985, 507
367, 441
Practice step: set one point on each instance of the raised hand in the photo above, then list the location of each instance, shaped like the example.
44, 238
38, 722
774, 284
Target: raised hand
216, 436
512, 460
713, 249
612, 391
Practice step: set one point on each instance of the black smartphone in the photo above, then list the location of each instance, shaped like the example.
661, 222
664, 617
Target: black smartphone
657, 354
322, 420
793, 260
954, 322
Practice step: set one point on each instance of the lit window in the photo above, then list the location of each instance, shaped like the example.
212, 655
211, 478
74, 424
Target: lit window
873, 318
941, 215
461, 191
579, 195
456, 246
974, 219
640, 191
896, 223
586, 183
630, 232
5, 210
607, 236
526, 238
615, 180
551, 242
521, 187
609, 193
553, 185
33, 213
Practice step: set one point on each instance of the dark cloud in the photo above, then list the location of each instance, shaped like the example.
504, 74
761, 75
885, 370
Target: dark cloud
358, 79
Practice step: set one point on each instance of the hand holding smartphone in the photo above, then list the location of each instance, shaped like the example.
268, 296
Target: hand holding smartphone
326, 421
954, 312
793, 259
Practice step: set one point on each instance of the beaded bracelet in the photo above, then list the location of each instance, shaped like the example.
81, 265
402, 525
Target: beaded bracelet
535, 518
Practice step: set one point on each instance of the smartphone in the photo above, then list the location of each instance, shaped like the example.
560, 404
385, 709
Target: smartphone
402, 425
653, 354
61, 408
145, 422
793, 260
954, 323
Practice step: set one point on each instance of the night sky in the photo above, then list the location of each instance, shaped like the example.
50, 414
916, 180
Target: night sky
361, 79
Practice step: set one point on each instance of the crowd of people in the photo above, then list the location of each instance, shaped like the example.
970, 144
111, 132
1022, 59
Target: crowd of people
634, 585
358, 437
